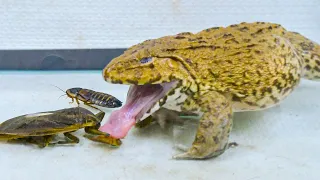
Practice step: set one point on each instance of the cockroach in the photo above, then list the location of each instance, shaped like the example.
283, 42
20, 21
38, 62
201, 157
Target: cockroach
90, 97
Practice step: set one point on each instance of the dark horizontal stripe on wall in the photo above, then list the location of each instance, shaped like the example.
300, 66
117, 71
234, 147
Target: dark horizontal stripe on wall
73, 59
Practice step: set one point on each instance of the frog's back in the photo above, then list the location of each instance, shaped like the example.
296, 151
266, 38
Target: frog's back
251, 57
254, 62
259, 63
239, 57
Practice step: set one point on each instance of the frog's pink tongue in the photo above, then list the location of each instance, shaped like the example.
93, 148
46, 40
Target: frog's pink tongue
139, 100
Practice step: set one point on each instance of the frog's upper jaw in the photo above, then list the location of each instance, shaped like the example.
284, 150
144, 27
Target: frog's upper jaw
140, 99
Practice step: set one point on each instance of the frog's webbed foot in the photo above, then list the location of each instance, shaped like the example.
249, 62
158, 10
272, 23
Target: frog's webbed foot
214, 128
186, 155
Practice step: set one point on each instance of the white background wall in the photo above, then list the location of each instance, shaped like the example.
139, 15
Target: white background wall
46, 24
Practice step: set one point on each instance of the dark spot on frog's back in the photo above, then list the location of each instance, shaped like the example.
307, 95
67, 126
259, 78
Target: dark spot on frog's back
265, 90
307, 67
243, 29
202, 41
277, 84
200, 139
317, 69
262, 40
180, 37
191, 40
246, 40
132, 81
216, 139
227, 35
306, 46
260, 31
254, 92
134, 51
116, 81
234, 54
251, 45
206, 125
213, 28
274, 99
184, 34
269, 90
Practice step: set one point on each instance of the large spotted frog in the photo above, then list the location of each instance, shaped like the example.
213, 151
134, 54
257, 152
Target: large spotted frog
213, 73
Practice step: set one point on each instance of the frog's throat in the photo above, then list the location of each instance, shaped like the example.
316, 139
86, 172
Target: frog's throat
140, 99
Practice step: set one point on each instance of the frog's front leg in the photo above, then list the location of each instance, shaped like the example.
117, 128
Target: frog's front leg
214, 128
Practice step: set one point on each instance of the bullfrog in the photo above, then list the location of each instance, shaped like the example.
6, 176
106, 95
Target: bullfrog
213, 73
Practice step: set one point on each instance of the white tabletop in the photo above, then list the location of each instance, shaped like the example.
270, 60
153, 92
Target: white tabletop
279, 143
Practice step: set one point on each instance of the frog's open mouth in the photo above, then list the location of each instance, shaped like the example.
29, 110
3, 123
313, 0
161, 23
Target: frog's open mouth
140, 99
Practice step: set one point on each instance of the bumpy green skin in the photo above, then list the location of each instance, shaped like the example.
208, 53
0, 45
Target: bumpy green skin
242, 67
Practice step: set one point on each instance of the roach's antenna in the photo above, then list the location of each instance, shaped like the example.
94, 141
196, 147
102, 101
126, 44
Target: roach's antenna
58, 88
62, 95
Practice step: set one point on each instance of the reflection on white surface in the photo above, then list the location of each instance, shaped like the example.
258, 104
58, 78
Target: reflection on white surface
279, 143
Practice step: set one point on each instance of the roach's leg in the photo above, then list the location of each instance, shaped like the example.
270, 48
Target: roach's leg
104, 139
94, 131
70, 139
77, 101
98, 136
41, 141
71, 101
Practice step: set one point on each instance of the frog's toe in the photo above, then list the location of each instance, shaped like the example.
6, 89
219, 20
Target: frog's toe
194, 153
184, 155
181, 147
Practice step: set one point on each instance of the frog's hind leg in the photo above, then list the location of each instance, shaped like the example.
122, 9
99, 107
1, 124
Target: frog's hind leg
309, 51
212, 136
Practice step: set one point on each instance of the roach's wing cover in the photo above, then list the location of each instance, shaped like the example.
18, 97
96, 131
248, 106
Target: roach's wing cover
42, 121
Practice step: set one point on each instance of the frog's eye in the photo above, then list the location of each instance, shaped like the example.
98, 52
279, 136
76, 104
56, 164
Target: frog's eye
145, 60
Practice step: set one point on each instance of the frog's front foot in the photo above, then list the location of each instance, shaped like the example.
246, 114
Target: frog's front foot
193, 154
214, 128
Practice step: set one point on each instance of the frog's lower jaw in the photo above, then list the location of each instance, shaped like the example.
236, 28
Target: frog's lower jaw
140, 99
